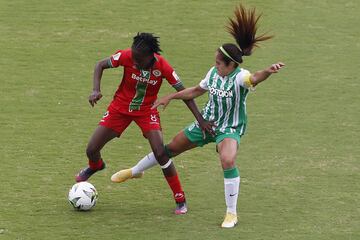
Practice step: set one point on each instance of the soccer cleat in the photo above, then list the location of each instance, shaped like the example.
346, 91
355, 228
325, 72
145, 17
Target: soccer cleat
181, 208
123, 175
86, 173
230, 220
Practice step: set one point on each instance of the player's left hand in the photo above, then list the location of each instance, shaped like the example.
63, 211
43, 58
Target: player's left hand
274, 68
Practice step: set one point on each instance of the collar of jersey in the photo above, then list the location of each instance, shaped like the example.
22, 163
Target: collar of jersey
236, 70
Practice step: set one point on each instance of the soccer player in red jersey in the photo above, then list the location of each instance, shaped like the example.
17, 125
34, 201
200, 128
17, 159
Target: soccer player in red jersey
144, 70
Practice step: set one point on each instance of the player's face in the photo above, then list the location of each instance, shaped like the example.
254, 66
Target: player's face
141, 60
221, 67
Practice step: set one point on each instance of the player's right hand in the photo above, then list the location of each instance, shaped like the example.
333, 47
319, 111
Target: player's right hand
94, 97
207, 126
274, 68
162, 101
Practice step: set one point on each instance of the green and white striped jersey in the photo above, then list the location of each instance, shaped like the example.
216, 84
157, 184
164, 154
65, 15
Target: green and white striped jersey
227, 100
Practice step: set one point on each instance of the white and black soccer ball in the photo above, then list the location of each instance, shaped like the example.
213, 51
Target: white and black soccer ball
83, 196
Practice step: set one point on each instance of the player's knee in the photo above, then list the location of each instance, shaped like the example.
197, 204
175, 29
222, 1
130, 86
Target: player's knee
172, 149
227, 162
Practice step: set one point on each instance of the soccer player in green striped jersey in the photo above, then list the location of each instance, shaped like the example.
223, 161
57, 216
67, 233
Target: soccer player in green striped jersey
227, 86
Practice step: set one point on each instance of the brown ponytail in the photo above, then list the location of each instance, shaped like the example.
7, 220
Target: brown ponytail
243, 28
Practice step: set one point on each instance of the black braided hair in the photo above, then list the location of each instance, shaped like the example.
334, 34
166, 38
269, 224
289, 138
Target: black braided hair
147, 43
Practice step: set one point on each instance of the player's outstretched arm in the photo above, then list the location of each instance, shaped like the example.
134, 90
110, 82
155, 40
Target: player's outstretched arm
98, 70
206, 126
186, 94
262, 75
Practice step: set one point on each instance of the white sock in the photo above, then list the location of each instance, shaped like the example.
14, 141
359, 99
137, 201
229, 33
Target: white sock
231, 186
147, 162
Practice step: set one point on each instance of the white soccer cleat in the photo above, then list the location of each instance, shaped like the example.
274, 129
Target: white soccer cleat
123, 175
230, 220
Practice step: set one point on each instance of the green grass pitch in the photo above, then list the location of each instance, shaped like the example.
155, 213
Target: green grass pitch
299, 160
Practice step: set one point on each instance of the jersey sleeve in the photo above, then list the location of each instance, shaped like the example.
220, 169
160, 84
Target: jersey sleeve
205, 82
243, 79
170, 75
118, 59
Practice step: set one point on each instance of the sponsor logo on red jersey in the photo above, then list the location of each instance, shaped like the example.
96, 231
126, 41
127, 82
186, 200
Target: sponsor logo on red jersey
143, 79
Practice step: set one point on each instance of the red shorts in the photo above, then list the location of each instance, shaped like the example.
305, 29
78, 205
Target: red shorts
118, 121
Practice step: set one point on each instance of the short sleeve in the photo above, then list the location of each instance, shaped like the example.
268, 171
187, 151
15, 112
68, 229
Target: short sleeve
119, 58
205, 82
243, 79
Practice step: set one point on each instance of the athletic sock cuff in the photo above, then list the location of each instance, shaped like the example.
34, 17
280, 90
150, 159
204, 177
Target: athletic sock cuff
166, 165
231, 173
96, 165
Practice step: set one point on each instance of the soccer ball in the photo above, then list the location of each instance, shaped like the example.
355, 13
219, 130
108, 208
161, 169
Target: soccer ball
83, 196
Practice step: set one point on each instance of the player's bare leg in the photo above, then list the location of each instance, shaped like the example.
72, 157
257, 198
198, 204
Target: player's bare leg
179, 144
100, 137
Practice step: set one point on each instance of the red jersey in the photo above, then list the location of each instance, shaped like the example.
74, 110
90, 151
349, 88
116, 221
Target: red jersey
138, 89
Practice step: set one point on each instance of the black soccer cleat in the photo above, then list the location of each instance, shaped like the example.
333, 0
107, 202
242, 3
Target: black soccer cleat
86, 173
